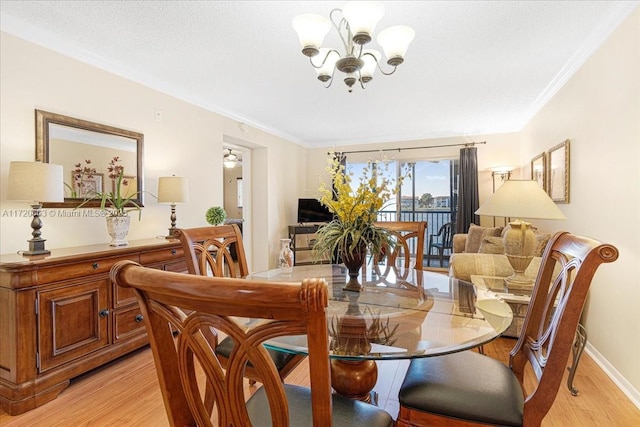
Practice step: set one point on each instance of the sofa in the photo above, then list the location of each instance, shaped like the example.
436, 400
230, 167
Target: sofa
480, 251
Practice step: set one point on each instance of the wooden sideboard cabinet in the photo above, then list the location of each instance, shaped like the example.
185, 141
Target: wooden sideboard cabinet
60, 316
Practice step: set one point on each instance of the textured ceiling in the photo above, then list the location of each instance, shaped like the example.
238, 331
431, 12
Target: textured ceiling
474, 67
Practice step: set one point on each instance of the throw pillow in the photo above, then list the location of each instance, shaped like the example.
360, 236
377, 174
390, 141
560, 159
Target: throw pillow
476, 234
491, 245
541, 243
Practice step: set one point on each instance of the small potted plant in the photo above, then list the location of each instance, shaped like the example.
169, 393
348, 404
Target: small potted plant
216, 215
116, 204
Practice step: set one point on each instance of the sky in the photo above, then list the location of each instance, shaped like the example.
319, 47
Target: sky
430, 177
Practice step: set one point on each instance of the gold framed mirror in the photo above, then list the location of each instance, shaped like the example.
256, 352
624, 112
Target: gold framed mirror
558, 172
71, 142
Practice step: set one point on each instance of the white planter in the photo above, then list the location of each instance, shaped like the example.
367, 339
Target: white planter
118, 228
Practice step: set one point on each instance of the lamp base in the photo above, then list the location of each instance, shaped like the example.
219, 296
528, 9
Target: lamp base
170, 235
519, 282
519, 245
36, 247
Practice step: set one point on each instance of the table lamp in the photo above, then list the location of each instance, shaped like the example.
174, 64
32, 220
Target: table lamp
173, 190
520, 199
35, 182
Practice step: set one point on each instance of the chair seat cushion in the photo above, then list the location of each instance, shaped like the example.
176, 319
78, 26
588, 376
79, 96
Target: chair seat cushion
280, 358
346, 412
464, 385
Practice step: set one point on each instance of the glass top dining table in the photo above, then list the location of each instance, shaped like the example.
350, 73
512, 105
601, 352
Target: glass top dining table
399, 313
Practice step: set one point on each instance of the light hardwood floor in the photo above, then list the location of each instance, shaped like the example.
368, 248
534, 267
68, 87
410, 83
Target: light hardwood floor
126, 393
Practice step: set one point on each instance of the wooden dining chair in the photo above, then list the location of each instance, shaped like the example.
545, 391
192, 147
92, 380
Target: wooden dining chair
208, 252
467, 388
195, 387
408, 237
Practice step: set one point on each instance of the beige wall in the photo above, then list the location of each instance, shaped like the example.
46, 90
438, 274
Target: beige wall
188, 142
599, 110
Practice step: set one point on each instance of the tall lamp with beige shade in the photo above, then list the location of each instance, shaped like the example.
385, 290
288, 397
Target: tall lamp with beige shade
35, 182
520, 199
173, 190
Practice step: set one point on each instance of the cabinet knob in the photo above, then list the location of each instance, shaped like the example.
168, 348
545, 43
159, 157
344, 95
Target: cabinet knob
139, 318
103, 313
174, 252
95, 265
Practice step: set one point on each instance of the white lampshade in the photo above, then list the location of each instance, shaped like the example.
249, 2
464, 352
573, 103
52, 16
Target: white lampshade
36, 182
363, 16
329, 63
311, 29
395, 40
521, 199
370, 64
173, 189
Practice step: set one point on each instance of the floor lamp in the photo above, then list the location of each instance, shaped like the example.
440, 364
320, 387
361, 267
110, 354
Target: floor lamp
173, 190
35, 182
520, 199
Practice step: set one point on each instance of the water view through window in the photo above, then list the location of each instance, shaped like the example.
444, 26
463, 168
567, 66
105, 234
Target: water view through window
428, 193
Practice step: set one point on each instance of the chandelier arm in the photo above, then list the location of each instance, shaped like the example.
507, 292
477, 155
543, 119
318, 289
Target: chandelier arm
333, 72
382, 71
363, 85
337, 27
324, 60
327, 86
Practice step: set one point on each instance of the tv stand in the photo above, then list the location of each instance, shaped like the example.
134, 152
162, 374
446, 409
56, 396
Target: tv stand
302, 238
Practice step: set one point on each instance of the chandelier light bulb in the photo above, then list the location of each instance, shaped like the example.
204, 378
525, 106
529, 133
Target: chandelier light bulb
311, 31
325, 70
362, 16
395, 42
370, 58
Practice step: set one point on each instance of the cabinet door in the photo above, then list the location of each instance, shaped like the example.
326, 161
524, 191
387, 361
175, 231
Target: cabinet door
73, 321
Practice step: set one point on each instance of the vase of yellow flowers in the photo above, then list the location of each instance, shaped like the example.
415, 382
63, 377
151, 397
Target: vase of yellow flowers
116, 204
355, 208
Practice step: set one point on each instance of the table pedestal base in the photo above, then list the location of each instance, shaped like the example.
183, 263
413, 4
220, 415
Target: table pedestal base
354, 378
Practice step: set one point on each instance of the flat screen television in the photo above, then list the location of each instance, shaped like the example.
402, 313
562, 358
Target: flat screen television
311, 210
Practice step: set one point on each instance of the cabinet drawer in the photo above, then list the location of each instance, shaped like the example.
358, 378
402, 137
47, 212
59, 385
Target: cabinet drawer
177, 267
79, 269
127, 322
161, 256
122, 296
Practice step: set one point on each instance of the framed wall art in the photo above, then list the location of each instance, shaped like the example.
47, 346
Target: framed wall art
539, 170
558, 172
87, 185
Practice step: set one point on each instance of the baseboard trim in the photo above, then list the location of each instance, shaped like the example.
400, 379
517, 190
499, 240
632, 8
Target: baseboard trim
620, 381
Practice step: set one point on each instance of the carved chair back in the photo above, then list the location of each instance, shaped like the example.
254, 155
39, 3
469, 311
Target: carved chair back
553, 315
209, 250
275, 309
408, 250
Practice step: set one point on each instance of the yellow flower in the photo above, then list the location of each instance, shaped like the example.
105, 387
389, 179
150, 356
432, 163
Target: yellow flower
355, 209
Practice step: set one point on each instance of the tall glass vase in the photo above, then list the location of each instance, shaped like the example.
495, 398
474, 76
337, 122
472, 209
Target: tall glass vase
285, 256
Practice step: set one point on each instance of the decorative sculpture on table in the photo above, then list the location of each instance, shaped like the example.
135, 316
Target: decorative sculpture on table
355, 208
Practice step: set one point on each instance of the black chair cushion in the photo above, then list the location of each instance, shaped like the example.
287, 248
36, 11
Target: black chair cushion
280, 358
346, 412
464, 385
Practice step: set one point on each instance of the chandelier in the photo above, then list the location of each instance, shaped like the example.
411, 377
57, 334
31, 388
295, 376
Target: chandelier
355, 24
